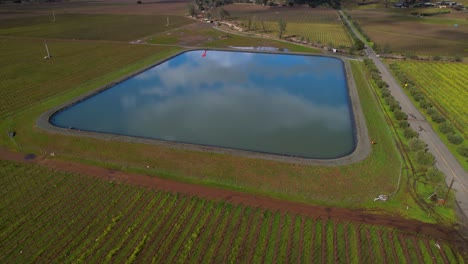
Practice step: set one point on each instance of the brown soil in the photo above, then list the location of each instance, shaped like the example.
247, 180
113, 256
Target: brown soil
324, 246
290, 236
401, 239
278, 240
429, 249
417, 249
390, 239
256, 233
369, 243
200, 38
264, 247
356, 216
381, 247
301, 241
347, 246
335, 243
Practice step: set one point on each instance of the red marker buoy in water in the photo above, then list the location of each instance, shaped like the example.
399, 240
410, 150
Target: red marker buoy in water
204, 54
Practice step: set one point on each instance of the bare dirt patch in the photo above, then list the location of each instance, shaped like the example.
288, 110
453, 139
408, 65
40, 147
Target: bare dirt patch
185, 36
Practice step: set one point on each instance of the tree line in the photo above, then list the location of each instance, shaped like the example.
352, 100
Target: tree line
336, 4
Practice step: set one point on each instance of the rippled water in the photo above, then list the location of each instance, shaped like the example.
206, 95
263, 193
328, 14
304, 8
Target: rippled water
275, 103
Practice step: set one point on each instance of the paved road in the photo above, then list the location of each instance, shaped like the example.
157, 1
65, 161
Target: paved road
445, 161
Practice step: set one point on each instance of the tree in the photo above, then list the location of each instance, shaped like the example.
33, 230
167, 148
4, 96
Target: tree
446, 128
455, 139
424, 103
386, 49
199, 3
409, 133
438, 118
425, 158
222, 13
416, 144
281, 27
400, 115
463, 150
375, 47
403, 124
358, 44
434, 175
263, 25
254, 23
191, 10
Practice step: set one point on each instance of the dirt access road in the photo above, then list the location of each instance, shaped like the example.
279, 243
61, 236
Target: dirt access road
445, 161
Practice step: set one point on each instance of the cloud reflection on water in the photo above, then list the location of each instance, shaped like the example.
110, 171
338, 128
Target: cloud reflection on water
289, 104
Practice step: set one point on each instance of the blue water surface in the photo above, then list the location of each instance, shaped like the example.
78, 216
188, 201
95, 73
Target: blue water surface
275, 103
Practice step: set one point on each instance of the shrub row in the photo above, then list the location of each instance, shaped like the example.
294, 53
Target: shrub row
424, 158
392, 103
357, 43
358, 27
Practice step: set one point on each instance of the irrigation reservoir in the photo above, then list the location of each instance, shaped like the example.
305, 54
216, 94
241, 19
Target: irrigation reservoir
282, 104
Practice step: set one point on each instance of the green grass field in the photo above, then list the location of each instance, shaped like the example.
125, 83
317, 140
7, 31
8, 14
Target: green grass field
317, 25
90, 27
47, 215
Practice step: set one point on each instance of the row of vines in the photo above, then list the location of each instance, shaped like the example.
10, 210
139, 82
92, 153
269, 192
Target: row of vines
50, 216
318, 26
444, 84
440, 89
26, 77
90, 26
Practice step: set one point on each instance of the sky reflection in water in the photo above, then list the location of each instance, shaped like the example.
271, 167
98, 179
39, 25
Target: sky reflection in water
281, 104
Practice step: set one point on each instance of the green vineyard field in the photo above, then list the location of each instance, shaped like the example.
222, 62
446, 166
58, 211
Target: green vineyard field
445, 85
316, 25
90, 27
45, 215
26, 77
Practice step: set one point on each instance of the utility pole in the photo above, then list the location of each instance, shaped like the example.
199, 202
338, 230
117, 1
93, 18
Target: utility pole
47, 49
448, 191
